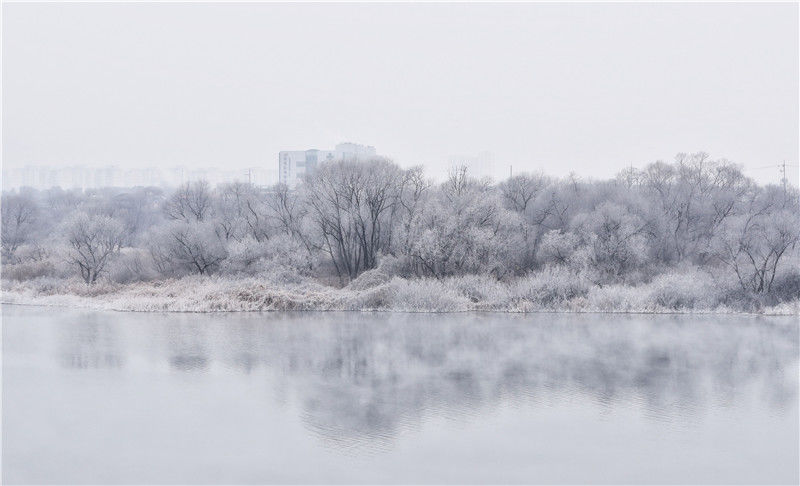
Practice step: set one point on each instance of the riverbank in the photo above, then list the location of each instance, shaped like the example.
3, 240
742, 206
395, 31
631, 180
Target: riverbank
377, 292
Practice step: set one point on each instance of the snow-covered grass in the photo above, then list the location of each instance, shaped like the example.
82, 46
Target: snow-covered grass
550, 290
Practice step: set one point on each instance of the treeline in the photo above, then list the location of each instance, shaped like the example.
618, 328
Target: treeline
351, 217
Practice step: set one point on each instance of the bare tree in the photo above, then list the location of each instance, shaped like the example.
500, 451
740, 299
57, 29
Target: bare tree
190, 202
93, 240
18, 215
194, 247
229, 208
137, 210
753, 244
520, 190
616, 236
531, 197
457, 180
351, 204
286, 209
463, 228
415, 191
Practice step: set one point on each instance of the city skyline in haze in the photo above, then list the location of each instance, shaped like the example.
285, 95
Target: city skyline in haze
552, 88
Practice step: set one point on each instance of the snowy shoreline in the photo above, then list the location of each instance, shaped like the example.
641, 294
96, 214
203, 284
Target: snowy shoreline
778, 311
211, 295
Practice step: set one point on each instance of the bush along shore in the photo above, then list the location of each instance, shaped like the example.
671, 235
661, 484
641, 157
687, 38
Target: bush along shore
553, 290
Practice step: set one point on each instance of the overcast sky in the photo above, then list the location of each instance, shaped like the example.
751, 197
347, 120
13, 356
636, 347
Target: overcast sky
589, 88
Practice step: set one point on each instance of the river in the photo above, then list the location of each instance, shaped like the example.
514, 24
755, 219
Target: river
109, 397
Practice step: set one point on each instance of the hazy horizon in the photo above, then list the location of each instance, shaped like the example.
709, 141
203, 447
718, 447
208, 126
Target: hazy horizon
556, 88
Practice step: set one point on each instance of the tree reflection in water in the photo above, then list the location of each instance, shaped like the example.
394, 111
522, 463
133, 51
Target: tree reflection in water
364, 378
90, 341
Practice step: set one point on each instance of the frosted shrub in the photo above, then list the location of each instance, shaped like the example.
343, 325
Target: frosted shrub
368, 280
393, 266
79, 288
132, 265
380, 297
28, 270
277, 255
45, 285
481, 289
551, 287
31, 253
287, 251
275, 272
558, 247
425, 295
734, 297
243, 257
688, 289
619, 298
33, 261
786, 286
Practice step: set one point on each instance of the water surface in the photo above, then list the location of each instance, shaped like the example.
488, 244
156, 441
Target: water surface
105, 397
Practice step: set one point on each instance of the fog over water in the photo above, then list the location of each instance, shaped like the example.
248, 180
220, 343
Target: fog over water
102, 397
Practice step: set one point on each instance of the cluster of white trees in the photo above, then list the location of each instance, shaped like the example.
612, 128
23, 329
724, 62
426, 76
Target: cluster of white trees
350, 217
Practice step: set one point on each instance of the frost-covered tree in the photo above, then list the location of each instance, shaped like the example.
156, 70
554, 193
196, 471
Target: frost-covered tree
559, 247
18, 216
192, 201
136, 209
521, 190
616, 238
754, 244
463, 228
191, 247
352, 204
690, 200
285, 211
415, 196
93, 240
230, 204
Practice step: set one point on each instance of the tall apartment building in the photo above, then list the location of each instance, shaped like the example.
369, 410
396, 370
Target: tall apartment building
293, 165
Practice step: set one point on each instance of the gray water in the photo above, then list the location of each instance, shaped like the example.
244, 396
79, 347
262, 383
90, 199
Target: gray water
104, 397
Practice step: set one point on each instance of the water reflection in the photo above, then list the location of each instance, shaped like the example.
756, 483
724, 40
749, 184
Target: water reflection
187, 345
362, 379
674, 367
90, 341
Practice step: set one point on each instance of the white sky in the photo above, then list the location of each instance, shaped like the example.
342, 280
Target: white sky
589, 88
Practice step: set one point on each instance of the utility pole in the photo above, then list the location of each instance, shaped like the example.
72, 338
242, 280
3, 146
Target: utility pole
783, 177
510, 171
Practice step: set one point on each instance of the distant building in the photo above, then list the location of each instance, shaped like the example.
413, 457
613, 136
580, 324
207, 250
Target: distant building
84, 177
293, 165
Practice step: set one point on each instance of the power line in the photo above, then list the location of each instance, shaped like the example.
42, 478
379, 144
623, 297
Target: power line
763, 167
